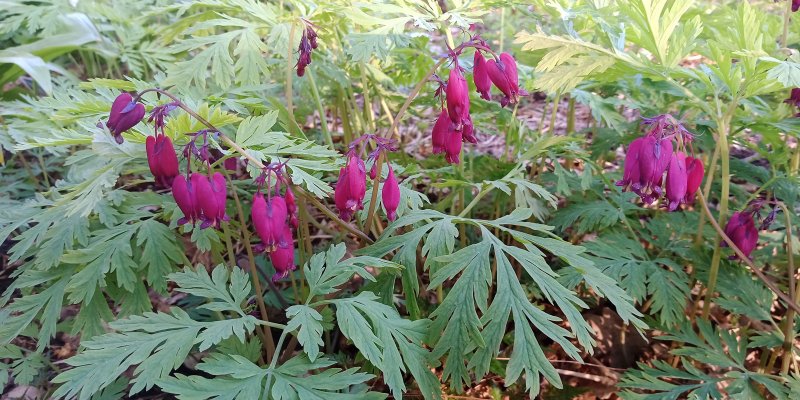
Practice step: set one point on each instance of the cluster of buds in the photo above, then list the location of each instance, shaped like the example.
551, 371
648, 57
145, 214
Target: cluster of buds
454, 124
742, 230
308, 42
649, 157
273, 217
352, 184
125, 114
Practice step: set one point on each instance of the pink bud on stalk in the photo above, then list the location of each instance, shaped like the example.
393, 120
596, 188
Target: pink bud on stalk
161, 159
184, 193
676, 180
694, 172
269, 219
503, 73
741, 228
480, 76
282, 257
390, 195
211, 196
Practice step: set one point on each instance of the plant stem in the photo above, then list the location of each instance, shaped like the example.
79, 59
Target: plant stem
788, 333
722, 143
374, 197
475, 201
787, 12
760, 275
289, 70
266, 335
322, 116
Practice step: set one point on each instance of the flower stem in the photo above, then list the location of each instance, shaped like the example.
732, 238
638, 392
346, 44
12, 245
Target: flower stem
323, 121
794, 291
289, 70
266, 335
722, 143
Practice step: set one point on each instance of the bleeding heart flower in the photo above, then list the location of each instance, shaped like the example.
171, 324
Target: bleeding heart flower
480, 76
282, 257
162, 159
457, 97
676, 180
390, 195
694, 172
631, 172
741, 228
269, 219
185, 197
440, 131
795, 5
124, 115
452, 146
503, 73
351, 187
211, 196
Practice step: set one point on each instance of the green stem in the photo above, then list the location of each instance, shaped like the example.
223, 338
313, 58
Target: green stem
794, 292
289, 71
787, 12
323, 120
722, 143
474, 201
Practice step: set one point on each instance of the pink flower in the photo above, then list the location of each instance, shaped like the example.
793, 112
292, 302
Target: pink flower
440, 131
468, 132
211, 196
391, 195
162, 159
480, 76
457, 97
741, 228
503, 74
269, 219
351, 187
694, 172
631, 172
124, 115
282, 257
795, 5
452, 146
654, 157
185, 197
676, 180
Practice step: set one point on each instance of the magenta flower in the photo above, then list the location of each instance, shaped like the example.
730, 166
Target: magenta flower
351, 187
457, 97
468, 133
390, 195
231, 164
211, 196
185, 197
741, 228
676, 180
282, 257
795, 5
632, 173
654, 157
452, 146
480, 76
162, 159
694, 172
269, 219
440, 131
124, 115
503, 73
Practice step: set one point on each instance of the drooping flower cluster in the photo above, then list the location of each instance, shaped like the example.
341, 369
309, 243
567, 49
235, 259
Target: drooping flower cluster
454, 124
201, 198
742, 229
351, 187
125, 114
649, 157
272, 216
308, 42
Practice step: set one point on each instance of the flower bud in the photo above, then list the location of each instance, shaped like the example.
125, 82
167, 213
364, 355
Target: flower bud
694, 173
186, 199
124, 115
480, 76
390, 195
351, 187
269, 219
631, 172
452, 146
282, 257
676, 180
161, 159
